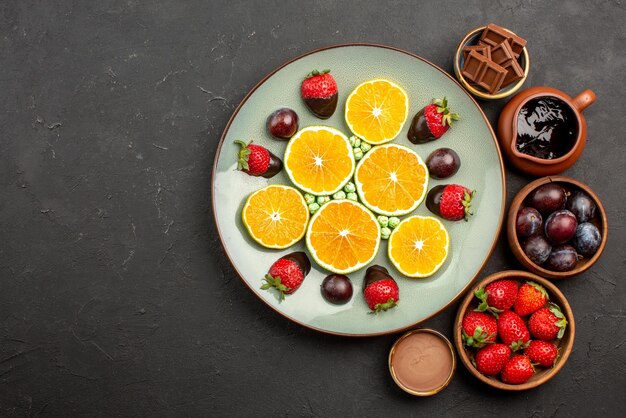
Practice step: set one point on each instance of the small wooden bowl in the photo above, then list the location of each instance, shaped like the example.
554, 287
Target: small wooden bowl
569, 184
565, 344
471, 39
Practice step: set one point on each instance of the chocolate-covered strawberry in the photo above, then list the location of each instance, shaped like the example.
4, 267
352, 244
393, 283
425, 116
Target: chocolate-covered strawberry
380, 289
319, 92
256, 160
431, 122
287, 273
450, 201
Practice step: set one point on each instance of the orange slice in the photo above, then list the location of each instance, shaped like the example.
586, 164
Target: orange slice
391, 180
343, 236
319, 160
376, 110
276, 216
418, 246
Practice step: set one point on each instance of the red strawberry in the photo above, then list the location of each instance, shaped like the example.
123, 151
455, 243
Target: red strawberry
450, 201
497, 296
479, 329
491, 359
547, 324
542, 352
319, 92
287, 273
517, 370
380, 289
257, 160
512, 330
431, 122
530, 298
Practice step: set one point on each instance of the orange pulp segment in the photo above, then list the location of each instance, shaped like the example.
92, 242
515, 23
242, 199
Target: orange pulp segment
376, 110
418, 246
319, 160
276, 216
391, 180
343, 236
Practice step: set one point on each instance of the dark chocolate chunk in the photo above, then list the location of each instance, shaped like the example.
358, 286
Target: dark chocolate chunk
323, 108
473, 65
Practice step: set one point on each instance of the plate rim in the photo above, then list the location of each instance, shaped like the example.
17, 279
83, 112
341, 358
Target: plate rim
500, 218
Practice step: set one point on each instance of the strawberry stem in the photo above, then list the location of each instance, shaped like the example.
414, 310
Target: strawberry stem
275, 282
244, 154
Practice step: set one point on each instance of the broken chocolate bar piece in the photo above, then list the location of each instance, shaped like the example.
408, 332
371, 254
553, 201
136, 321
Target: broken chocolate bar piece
481, 49
491, 77
494, 35
473, 65
502, 53
514, 73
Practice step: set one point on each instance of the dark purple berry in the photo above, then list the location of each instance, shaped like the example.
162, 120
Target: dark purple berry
587, 239
548, 198
337, 289
537, 248
443, 163
582, 206
282, 124
562, 258
528, 222
561, 226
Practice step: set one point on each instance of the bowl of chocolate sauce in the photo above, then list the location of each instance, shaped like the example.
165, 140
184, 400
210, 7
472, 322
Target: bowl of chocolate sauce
422, 362
542, 131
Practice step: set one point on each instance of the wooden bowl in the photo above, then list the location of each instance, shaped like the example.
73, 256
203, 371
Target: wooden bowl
569, 184
565, 344
471, 39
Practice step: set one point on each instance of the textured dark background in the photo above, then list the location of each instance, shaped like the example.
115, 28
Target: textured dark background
115, 295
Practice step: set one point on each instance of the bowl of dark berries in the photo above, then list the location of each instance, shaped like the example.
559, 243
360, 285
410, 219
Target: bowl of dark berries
514, 330
557, 227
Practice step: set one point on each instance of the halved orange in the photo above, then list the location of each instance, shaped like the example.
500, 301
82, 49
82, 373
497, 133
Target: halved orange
276, 216
376, 110
391, 180
319, 160
418, 246
343, 236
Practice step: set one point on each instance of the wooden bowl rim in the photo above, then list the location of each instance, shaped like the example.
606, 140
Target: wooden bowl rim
555, 295
516, 247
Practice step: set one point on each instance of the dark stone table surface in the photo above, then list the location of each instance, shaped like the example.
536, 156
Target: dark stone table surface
116, 298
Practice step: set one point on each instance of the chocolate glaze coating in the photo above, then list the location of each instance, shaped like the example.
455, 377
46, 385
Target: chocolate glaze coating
274, 168
419, 132
434, 197
323, 108
301, 260
375, 273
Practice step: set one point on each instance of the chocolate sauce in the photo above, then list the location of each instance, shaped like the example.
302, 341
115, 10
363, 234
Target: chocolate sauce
419, 132
323, 108
375, 274
546, 128
301, 260
274, 167
434, 198
422, 362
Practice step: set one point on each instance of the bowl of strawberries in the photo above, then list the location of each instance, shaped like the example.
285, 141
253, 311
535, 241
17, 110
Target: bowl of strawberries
514, 330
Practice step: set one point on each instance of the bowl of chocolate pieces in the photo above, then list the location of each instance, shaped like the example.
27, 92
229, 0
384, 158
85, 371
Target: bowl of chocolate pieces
491, 62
